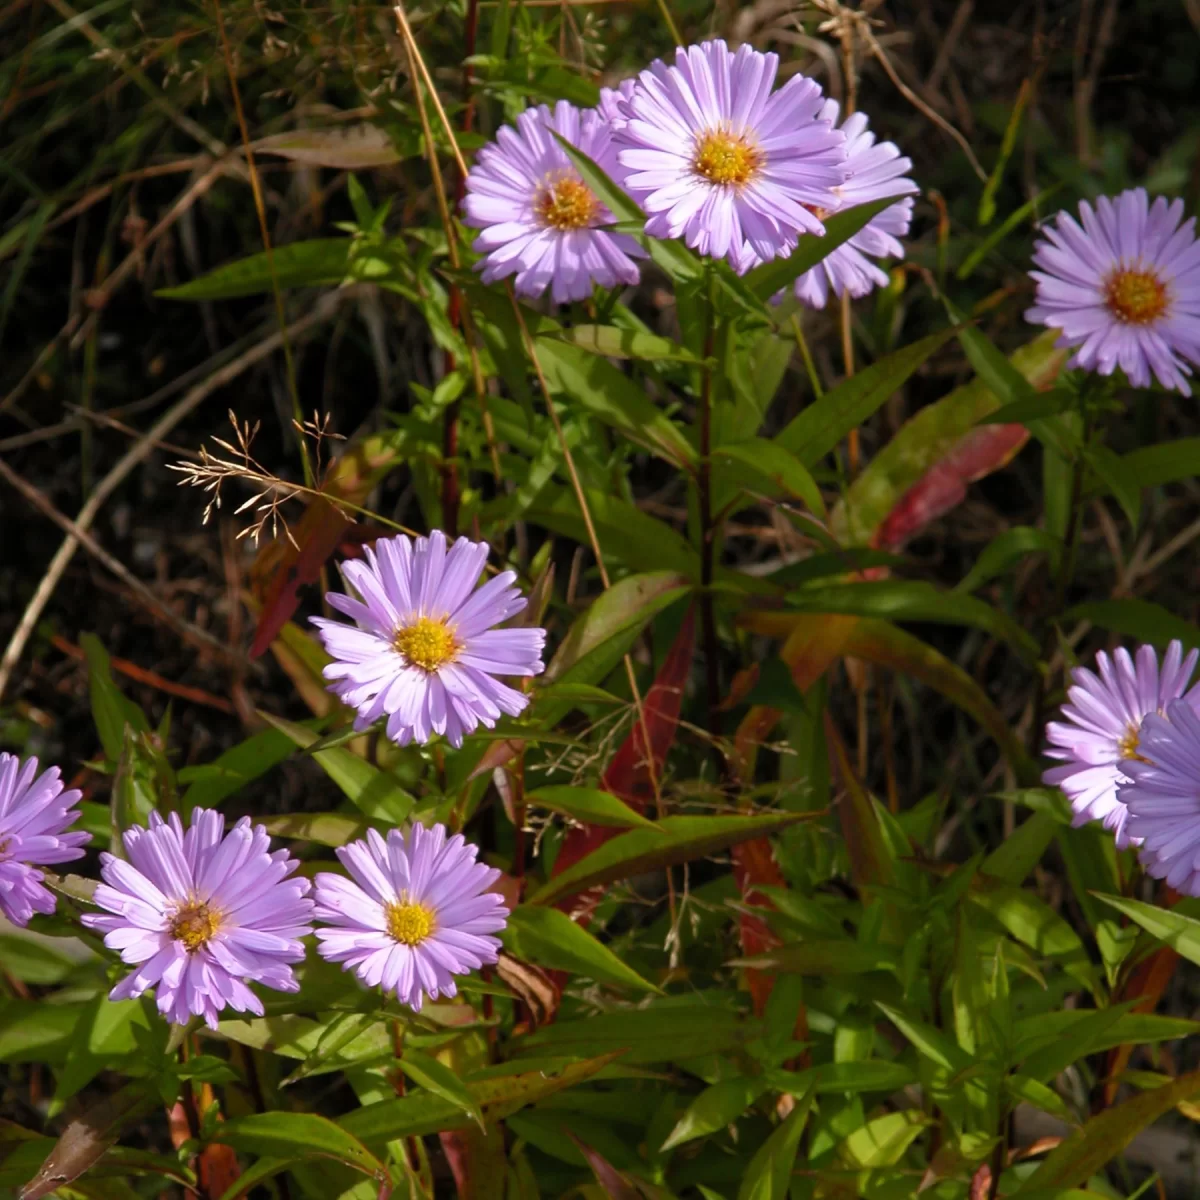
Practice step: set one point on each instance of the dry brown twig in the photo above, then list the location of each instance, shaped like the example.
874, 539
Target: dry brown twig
136, 454
853, 25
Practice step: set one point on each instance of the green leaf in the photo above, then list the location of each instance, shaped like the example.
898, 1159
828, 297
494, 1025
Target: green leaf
321, 262
613, 397
1111, 468
715, 1107
676, 840
589, 805
825, 422
497, 1097
772, 277
913, 600
627, 535
1022, 850
1165, 462
1101, 1139
658, 1032
210, 783
36, 962
1006, 550
438, 1079
611, 341
883, 1141
111, 710
846, 1078
1029, 209
781, 470
326, 829
769, 1175
1141, 619
824, 958
1181, 933
931, 1042
547, 937
297, 1136
372, 790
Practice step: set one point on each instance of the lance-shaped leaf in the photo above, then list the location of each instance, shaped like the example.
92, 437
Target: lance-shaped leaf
1141, 619
345, 148
677, 840
717, 1106
882, 643
87, 1137
497, 1097
772, 277
900, 600
297, 1136
374, 791
589, 805
322, 262
895, 478
769, 1175
1101, 1139
550, 938
612, 341
769, 463
825, 422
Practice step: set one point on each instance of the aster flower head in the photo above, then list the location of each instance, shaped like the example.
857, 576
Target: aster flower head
1162, 795
415, 912
713, 156
1102, 727
35, 813
202, 914
539, 220
613, 101
877, 171
1123, 286
423, 651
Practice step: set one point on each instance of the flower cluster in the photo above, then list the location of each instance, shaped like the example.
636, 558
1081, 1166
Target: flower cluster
713, 153
1129, 744
201, 914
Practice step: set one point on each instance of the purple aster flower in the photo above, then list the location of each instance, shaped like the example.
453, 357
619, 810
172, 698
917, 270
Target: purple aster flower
877, 170
424, 652
613, 101
34, 813
202, 915
1162, 795
1102, 727
415, 913
717, 159
1124, 289
540, 221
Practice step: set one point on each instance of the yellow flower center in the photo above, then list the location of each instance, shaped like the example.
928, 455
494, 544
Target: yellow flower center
193, 924
725, 158
1127, 747
1135, 297
427, 643
409, 923
564, 202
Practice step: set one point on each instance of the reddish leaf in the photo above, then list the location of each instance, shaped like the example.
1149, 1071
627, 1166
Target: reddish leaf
754, 866
616, 1185
628, 775
477, 1159
281, 570
979, 453
813, 643
319, 532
